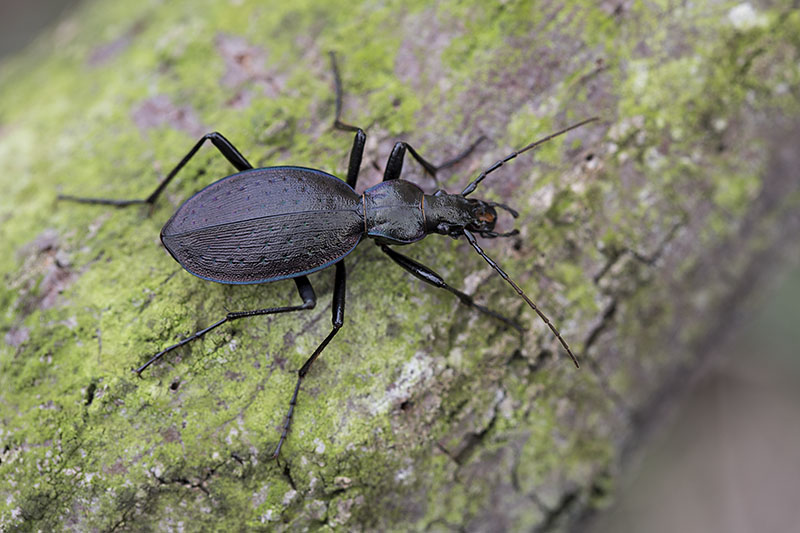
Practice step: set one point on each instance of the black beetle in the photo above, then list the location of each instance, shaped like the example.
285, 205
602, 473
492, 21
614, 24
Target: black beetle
268, 224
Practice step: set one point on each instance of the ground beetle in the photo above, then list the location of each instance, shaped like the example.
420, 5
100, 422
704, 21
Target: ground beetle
268, 224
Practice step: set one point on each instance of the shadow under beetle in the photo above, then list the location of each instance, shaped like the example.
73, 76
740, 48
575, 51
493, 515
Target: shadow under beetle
268, 224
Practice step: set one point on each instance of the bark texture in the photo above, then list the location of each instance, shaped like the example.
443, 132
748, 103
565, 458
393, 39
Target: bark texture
641, 235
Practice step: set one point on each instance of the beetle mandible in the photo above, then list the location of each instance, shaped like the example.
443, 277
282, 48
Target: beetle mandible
268, 224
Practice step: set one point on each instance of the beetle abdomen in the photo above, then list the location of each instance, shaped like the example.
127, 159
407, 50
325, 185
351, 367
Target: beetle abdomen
264, 225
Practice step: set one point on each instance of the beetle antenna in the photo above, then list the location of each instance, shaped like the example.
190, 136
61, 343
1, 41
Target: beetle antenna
471, 238
471, 187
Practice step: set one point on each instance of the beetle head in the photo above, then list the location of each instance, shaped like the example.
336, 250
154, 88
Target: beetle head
484, 218
451, 214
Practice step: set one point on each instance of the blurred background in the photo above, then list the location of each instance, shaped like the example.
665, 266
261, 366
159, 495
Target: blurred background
21, 21
724, 457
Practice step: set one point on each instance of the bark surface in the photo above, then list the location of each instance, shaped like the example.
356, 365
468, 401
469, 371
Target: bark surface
642, 235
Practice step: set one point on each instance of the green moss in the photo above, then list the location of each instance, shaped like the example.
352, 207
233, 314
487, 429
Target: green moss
189, 442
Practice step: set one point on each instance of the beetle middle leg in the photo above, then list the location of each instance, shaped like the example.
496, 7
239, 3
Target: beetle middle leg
337, 320
360, 140
395, 164
421, 272
217, 139
304, 288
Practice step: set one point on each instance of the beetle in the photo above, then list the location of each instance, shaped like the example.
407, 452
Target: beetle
262, 225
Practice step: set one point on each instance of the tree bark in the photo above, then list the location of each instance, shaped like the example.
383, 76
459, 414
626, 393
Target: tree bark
641, 236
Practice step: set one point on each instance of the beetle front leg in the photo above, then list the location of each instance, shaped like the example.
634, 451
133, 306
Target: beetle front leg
217, 139
394, 166
337, 320
421, 272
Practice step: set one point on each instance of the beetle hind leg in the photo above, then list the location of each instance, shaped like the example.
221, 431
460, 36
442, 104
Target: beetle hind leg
217, 139
304, 288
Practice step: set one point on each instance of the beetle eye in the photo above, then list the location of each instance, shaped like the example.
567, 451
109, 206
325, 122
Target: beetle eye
484, 216
487, 217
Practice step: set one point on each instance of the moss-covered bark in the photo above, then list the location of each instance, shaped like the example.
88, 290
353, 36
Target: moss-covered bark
639, 235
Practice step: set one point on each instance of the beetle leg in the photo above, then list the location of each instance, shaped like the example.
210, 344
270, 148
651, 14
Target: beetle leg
427, 275
337, 320
394, 165
356, 153
217, 139
360, 140
303, 287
